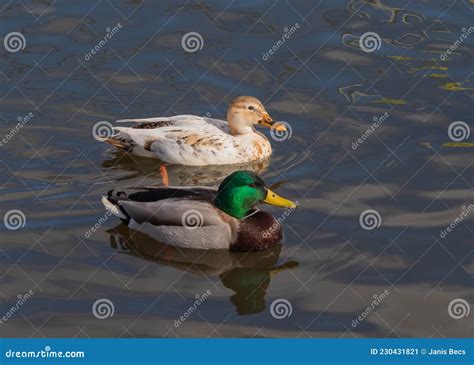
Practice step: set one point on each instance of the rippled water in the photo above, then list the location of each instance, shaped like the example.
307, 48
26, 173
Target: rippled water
321, 82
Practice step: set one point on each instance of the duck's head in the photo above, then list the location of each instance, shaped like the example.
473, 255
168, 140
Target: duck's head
241, 191
246, 111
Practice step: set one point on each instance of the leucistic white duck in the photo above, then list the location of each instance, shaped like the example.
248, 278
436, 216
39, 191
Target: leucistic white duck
199, 141
204, 218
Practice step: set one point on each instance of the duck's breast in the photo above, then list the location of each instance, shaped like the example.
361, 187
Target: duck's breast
258, 232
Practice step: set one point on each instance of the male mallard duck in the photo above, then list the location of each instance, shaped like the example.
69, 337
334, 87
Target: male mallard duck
199, 141
202, 217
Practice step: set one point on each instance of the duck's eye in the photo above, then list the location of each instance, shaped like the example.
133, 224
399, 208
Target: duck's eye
251, 107
253, 185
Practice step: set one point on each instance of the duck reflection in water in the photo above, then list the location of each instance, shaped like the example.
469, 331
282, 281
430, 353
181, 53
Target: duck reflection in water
177, 175
248, 274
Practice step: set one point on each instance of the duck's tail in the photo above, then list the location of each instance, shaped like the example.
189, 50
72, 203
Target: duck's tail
112, 204
121, 141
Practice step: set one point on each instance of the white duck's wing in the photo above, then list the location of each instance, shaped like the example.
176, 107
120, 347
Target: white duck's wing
181, 120
184, 140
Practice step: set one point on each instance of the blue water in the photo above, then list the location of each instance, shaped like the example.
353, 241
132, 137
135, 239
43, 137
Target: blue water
324, 85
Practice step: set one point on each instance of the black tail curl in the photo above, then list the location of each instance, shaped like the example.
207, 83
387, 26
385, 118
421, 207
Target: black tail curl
115, 198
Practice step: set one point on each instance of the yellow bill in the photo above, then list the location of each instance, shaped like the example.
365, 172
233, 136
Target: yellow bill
267, 121
274, 199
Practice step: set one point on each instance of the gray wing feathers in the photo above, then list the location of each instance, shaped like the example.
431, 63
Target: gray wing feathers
173, 212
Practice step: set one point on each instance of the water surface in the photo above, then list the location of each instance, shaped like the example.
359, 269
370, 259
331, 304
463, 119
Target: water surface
320, 81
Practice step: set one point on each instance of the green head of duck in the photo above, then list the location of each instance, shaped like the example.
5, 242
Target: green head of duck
241, 191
